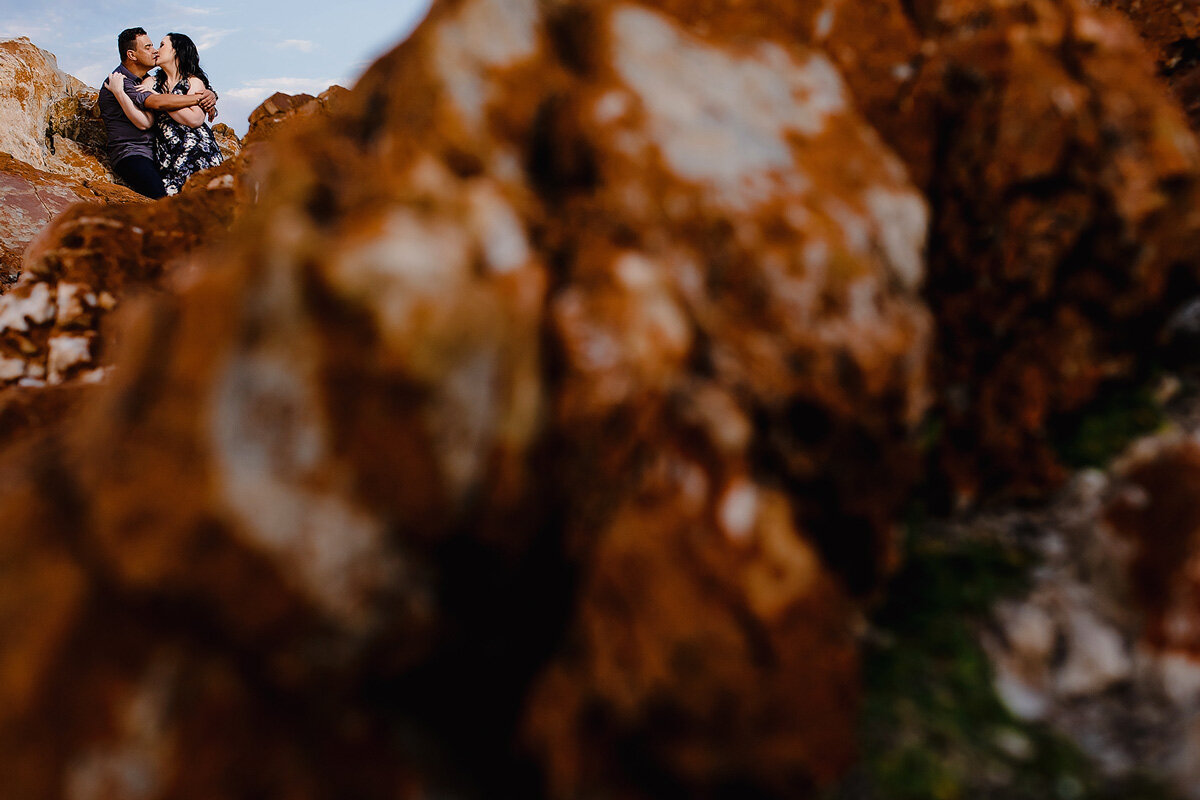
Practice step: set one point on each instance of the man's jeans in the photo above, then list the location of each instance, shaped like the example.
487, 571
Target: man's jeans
142, 175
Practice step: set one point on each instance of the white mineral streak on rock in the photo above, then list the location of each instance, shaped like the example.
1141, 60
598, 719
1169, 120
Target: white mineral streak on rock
659, 331
71, 303
400, 264
611, 106
737, 509
277, 475
11, 369
902, 220
463, 416
223, 182
723, 120
823, 25
498, 230
135, 764
17, 312
415, 274
481, 37
67, 352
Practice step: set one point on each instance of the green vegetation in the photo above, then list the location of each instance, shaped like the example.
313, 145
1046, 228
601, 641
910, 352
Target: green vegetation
1112, 421
932, 727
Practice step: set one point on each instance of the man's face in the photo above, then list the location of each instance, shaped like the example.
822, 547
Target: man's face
144, 52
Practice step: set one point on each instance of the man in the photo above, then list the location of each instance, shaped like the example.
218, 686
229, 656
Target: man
131, 149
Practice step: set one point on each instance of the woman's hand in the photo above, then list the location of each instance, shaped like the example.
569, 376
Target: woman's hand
116, 83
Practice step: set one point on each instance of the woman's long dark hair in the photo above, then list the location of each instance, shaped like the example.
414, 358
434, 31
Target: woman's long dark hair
188, 58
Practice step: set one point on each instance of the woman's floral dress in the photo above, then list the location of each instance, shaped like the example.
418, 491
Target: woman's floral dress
182, 151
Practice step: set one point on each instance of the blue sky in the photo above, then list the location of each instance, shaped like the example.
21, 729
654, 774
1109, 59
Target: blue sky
250, 50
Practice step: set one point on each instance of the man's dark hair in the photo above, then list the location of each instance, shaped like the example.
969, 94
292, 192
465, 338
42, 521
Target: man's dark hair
128, 40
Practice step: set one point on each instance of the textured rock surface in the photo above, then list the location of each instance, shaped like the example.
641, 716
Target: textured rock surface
1172, 29
1066, 205
77, 267
279, 108
31, 198
33, 83
546, 418
1101, 645
354, 390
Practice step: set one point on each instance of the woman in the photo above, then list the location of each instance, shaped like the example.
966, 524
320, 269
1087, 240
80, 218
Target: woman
183, 142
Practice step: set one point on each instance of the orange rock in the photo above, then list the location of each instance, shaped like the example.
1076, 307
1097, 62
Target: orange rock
1067, 195
32, 83
160, 700
1172, 29
280, 108
510, 312
32, 198
1155, 508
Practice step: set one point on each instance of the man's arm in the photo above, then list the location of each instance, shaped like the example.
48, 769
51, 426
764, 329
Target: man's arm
140, 119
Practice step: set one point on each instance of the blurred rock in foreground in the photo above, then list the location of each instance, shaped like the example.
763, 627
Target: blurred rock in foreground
537, 418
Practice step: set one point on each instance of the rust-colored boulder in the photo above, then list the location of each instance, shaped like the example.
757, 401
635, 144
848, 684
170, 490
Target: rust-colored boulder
32, 83
81, 263
227, 140
30, 198
76, 138
1172, 29
166, 715
281, 108
1067, 204
1156, 508
515, 312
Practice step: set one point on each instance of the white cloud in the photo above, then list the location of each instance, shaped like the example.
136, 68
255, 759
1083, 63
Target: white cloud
207, 38
263, 88
303, 45
94, 74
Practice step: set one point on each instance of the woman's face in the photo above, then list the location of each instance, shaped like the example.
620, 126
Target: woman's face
166, 52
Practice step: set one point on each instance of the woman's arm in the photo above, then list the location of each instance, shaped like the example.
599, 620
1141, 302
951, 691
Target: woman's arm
173, 102
142, 120
192, 117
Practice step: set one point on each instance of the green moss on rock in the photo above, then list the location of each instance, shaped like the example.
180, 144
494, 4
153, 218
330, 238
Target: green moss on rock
932, 727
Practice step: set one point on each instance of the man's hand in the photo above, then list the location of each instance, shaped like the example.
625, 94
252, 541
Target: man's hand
116, 82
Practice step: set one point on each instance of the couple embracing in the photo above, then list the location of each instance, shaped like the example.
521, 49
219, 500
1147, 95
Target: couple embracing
157, 126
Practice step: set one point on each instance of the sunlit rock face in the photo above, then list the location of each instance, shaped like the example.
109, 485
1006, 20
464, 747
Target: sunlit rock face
280, 109
30, 198
33, 83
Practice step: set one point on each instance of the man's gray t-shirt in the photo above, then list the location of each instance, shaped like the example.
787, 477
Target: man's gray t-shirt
124, 138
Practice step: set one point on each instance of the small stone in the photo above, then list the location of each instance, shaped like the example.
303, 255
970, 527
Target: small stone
1014, 743
1096, 656
1022, 700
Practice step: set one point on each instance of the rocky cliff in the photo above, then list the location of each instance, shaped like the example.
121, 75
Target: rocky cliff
623, 399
